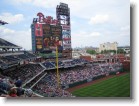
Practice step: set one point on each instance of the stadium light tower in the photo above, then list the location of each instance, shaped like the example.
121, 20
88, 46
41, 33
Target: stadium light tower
2, 22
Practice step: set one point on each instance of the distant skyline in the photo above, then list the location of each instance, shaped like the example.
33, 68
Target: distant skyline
92, 21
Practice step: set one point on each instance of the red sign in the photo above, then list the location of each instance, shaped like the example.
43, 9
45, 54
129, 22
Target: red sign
47, 20
66, 39
38, 29
66, 27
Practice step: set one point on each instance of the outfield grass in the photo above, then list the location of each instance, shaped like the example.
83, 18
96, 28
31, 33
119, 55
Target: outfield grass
117, 86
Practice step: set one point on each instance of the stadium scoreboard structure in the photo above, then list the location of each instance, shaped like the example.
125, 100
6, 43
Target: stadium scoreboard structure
63, 16
48, 33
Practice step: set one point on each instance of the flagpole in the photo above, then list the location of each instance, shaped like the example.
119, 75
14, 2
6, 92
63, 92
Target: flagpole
58, 80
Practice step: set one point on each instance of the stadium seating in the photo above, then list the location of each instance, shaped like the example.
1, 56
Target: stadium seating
24, 72
49, 65
72, 71
22, 56
60, 64
7, 60
10, 60
64, 63
48, 87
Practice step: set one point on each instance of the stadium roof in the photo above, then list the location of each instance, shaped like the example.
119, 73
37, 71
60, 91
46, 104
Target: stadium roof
6, 44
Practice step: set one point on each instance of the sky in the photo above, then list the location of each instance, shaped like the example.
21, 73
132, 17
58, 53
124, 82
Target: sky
92, 21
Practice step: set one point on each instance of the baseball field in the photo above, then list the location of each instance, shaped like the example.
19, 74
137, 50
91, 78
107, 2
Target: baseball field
115, 86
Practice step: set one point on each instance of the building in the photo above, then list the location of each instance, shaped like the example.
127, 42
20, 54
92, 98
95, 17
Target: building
108, 46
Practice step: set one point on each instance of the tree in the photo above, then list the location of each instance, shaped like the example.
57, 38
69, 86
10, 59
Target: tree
102, 52
108, 51
119, 51
91, 51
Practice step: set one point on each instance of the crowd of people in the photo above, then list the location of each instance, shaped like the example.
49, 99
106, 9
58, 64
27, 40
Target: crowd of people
10, 88
70, 76
25, 72
63, 63
48, 85
14, 59
45, 82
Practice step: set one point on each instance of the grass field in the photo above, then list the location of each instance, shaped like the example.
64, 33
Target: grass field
117, 86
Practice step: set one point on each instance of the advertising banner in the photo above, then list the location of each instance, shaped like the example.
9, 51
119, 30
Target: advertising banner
38, 29
66, 46
67, 39
38, 43
66, 27
68, 42
66, 32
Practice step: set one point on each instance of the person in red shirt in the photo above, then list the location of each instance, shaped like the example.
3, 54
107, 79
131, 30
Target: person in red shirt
12, 92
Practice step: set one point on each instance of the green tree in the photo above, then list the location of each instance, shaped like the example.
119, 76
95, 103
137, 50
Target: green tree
119, 51
91, 51
102, 52
108, 51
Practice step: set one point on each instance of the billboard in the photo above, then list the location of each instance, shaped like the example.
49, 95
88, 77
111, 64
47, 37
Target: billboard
68, 42
66, 34
66, 39
38, 29
65, 27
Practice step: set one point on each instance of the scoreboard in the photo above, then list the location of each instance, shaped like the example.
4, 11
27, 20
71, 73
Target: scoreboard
48, 37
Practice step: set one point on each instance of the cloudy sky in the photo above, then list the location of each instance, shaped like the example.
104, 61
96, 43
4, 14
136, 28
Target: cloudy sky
92, 21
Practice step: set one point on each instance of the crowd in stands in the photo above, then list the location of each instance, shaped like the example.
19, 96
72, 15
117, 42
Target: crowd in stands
35, 80
8, 59
82, 73
10, 88
45, 83
14, 59
25, 72
48, 87
48, 65
64, 63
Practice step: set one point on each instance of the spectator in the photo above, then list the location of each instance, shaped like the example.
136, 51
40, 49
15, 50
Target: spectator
18, 82
20, 91
12, 92
28, 93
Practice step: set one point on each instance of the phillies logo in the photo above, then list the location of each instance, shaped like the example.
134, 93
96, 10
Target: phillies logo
47, 20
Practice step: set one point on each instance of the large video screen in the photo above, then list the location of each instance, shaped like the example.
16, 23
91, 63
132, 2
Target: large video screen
46, 30
52, 37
